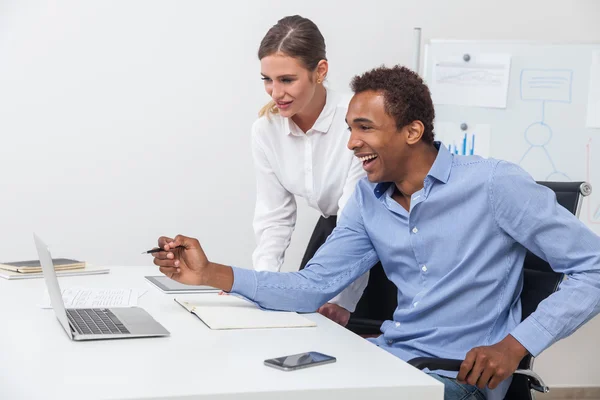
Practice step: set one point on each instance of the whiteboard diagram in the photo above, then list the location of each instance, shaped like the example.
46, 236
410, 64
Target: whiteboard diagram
543, 86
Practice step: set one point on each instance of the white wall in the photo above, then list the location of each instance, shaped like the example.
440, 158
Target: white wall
124, 120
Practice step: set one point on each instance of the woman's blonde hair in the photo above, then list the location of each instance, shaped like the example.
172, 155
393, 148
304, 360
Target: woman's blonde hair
297, 37
268, 109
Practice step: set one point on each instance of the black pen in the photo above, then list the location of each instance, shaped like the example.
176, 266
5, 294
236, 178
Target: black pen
156, 250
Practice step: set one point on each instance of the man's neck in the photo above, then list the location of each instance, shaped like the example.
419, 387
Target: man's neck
307, 118
418, 166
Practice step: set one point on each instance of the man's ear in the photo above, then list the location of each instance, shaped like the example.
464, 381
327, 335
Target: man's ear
415, 132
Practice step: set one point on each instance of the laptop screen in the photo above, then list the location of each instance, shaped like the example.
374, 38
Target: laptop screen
52, 283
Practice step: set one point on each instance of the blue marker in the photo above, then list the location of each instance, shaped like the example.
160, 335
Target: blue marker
464, 145
473, 144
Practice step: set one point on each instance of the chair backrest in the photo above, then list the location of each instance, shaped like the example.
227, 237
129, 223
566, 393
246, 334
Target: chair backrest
378, 303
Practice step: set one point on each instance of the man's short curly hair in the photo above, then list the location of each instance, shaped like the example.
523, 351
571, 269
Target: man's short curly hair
407, 98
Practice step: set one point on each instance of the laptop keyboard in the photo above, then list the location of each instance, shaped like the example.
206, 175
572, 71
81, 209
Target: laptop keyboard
95, 321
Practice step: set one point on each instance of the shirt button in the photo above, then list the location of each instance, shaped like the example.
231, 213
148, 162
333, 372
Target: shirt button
397, 324
415, 230
424, 268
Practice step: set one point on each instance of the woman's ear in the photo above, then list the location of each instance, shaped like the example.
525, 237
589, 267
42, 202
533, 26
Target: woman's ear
321, 70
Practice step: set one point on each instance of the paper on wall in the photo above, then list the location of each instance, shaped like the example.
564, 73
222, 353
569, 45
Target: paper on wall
482, 81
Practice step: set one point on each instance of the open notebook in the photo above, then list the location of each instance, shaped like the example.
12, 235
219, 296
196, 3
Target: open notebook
232, 312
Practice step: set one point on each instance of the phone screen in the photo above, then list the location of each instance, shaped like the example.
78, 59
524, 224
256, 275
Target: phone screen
301, 360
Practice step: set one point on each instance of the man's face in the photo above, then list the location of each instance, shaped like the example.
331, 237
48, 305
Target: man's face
374, 137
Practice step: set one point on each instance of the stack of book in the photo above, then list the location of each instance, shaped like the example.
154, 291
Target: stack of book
33, 269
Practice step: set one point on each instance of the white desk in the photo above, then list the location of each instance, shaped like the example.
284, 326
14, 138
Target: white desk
39, 361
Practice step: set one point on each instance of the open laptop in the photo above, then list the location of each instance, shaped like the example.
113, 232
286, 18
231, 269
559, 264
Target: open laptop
95, 323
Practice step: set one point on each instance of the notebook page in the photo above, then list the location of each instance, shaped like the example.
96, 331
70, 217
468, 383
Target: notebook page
232, 312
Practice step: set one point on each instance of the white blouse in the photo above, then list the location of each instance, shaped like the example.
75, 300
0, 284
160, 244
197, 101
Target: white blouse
317, 166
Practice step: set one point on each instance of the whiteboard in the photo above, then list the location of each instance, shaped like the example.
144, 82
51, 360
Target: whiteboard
545, 134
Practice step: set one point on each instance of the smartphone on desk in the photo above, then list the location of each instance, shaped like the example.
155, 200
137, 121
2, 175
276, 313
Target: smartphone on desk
299, 361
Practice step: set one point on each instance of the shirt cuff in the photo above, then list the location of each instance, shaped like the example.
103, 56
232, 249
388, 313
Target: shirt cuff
532, 336
244, 282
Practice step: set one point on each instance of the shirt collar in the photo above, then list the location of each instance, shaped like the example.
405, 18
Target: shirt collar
323, 122
442, 165
440, 169
381, 188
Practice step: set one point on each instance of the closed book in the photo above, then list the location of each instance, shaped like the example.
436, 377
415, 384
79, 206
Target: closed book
12, 275
33, 266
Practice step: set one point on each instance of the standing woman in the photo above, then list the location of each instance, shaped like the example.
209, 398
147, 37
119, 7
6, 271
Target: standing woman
299, 148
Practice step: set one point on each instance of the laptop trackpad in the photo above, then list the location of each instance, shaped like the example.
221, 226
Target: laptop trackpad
138, 321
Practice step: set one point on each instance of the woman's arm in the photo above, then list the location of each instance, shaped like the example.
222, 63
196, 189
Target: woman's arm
274, 214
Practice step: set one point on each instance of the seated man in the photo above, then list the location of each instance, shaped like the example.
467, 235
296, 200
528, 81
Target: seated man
451, 232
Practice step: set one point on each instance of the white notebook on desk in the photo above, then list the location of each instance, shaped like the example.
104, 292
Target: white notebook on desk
231, 312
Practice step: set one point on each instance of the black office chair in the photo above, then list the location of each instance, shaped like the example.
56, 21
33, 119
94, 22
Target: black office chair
378, 303
539, 282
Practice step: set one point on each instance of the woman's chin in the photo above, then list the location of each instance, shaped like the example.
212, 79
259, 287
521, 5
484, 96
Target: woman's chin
288, 113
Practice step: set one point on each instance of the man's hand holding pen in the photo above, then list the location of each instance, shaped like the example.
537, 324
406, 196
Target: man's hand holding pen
183, 260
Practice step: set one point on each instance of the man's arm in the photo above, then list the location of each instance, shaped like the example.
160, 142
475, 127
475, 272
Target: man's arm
347, 254
529, 213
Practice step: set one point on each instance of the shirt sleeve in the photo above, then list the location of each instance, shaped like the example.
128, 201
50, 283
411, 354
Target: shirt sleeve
346, 255
274, 213
530, 214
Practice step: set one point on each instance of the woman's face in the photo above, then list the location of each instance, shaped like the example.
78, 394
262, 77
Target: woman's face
288, 82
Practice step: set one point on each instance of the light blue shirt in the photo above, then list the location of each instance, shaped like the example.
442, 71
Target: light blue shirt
456, 258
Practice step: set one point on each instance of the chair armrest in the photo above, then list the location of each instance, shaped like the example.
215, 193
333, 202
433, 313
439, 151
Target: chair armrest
432, 363
367, 323
364, 326
447, 364
535, 381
